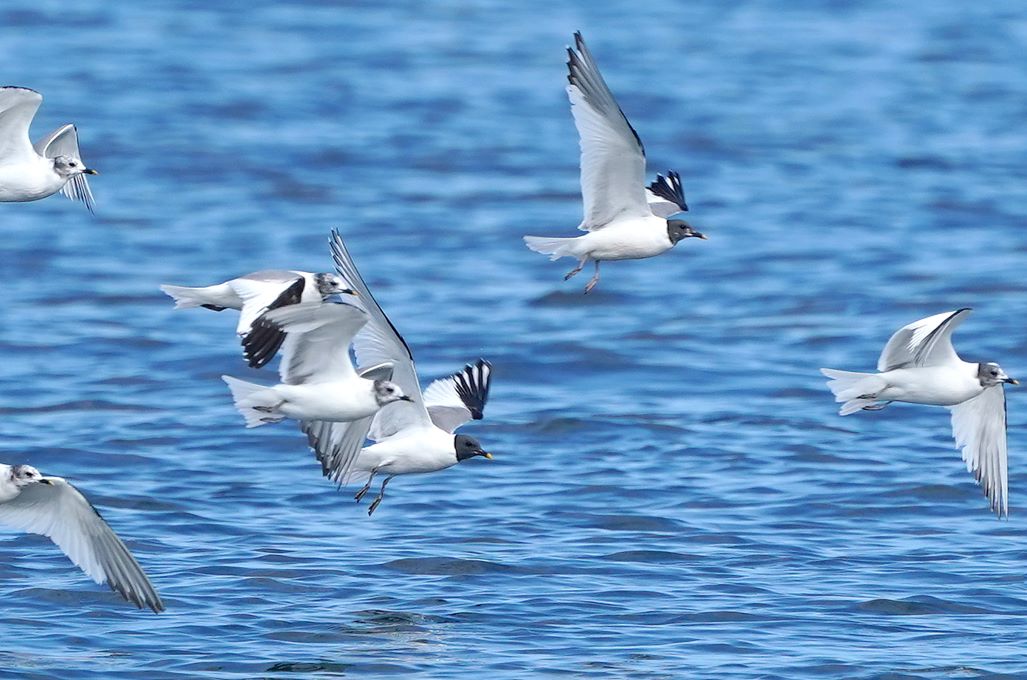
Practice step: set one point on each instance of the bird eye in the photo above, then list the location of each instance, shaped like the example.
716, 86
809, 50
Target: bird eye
994, 372
72, 164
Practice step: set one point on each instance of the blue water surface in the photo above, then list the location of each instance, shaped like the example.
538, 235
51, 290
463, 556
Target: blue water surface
673, 493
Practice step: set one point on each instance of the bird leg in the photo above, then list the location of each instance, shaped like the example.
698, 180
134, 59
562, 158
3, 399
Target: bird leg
378, 499
875, 407
594, 281
581, 264
366, 487
269, 409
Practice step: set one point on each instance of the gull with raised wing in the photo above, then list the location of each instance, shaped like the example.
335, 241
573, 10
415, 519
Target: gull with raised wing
27, 172
52, 507
256, 293
318, 380
414, 436
620, 216
920, 366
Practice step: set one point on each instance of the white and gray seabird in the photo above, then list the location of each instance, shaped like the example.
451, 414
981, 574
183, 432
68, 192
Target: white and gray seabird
413, 436
920, 366
623, 220
256, 293
27, 172
318, 382
52, 507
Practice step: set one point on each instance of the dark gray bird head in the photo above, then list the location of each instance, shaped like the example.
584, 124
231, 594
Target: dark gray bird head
67, 167
678, 229
468, 447
990, 374
332, 284
23, 475
386, 392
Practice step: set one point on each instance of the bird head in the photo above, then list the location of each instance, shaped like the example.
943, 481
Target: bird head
386, 392
67, 167
23, 475
991, 374
678, 229
468, 447
332, 284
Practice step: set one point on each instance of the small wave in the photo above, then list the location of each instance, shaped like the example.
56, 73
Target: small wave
917, 606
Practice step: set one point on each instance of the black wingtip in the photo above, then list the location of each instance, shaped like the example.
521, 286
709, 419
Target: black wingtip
472, 386
669, 188
262, 342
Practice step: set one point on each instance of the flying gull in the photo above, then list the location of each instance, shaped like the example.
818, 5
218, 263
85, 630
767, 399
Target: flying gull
920, 366
52, 507
624, 221
29, 173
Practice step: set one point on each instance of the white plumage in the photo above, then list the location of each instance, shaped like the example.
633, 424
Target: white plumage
414, 436
618, 209
919, 365
52, 507
30, 172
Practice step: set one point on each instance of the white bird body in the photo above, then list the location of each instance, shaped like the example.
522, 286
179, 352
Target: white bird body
632, 238
318, 380
330, 400
412, 451
931, 385
919, 365
52, 507
31, 179
54, 163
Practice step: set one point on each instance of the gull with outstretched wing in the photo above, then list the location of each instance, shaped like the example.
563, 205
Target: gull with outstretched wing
256, 293
413, 436
318, 382
620, 216
52, 507
30, 172
919, 365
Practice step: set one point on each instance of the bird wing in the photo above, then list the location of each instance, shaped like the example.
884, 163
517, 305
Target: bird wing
58, 511
337, 444
380, 343
612, 155
666, 196
317, 339
260, 294
979, 427
64, 142
927, 342
455, 400
18, 106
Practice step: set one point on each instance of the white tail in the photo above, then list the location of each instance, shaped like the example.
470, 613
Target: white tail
554, 247
186, 298
256, 403
856, 390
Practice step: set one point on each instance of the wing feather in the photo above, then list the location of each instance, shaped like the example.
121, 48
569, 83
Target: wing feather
666, 195
380, 343
979, 428
317, 339
927, 342
18, 106
461, 397
58, 511
612, 155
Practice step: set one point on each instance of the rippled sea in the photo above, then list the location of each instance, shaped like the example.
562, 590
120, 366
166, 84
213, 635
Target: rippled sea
673, 493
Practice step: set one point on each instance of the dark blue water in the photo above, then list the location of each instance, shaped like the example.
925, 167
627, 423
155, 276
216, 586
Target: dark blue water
673, 493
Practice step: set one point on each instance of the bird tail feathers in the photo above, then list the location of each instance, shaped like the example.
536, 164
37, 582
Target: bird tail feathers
187, 298
554, 247
855, 391
257, 404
